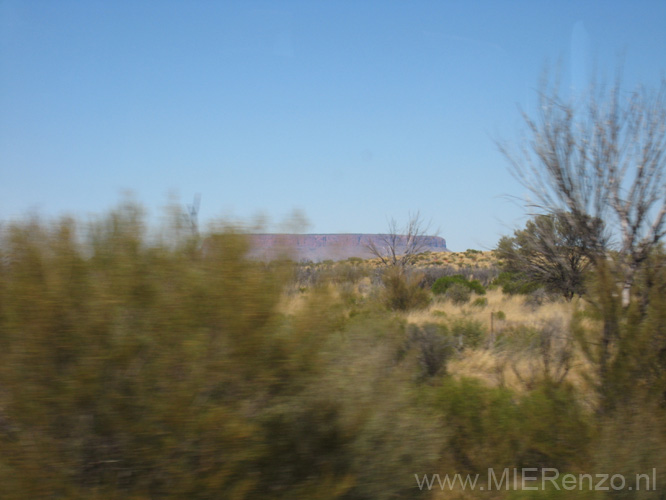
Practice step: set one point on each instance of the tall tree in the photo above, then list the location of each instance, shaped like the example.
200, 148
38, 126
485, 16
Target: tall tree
602, 159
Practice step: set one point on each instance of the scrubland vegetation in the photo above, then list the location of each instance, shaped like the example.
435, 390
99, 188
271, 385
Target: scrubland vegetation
166, 364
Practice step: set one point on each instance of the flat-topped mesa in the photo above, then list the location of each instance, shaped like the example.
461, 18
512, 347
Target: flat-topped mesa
318, 247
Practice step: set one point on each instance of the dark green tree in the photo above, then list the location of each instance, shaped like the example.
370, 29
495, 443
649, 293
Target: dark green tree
548, 252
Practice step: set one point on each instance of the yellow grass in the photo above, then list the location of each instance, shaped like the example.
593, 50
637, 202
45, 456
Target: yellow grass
513, 307
452, 259
514, 369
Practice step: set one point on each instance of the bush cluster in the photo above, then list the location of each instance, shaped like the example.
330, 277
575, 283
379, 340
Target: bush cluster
442, 285
134, 367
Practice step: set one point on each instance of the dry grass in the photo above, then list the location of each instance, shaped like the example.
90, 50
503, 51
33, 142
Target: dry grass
513, 306
469, 258
292, 303
506, 359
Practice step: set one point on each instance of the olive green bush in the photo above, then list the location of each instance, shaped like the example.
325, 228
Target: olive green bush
402, 290
493, 427
467, 333
141, 364
458, 294
140, 367
515, 283
442, 285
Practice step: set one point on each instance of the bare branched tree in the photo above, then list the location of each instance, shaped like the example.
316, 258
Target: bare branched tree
401, 244
603, 160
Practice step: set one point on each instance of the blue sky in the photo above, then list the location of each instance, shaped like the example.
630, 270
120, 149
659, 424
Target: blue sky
349, 111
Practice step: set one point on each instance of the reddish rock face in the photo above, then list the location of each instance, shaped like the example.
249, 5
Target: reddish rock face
317, 247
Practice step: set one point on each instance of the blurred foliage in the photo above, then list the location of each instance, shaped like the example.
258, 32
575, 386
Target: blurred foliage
139, 364
480, 302
435, 347
140, 367
497, 428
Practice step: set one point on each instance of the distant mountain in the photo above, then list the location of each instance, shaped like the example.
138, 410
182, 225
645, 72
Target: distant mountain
318, 247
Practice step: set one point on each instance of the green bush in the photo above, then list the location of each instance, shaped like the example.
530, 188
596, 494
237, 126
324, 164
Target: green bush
442, 285
458, 293
134, 368
493, 427
513, 283
484, 424
480, 302
467, 333
633, 442
555, 429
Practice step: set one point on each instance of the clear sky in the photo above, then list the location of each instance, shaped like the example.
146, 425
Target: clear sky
349, 111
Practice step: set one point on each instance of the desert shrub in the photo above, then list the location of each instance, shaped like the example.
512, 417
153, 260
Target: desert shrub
545, 351
310, 275
480, 302
476, 286
401, 290
348, 272
130, 368
467, 333
442, 285
518, 337
485, 275
514, 283
434, 346
632, 442
493, 427
389, 428
431, 274
483, 424
556, 430
458, 294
